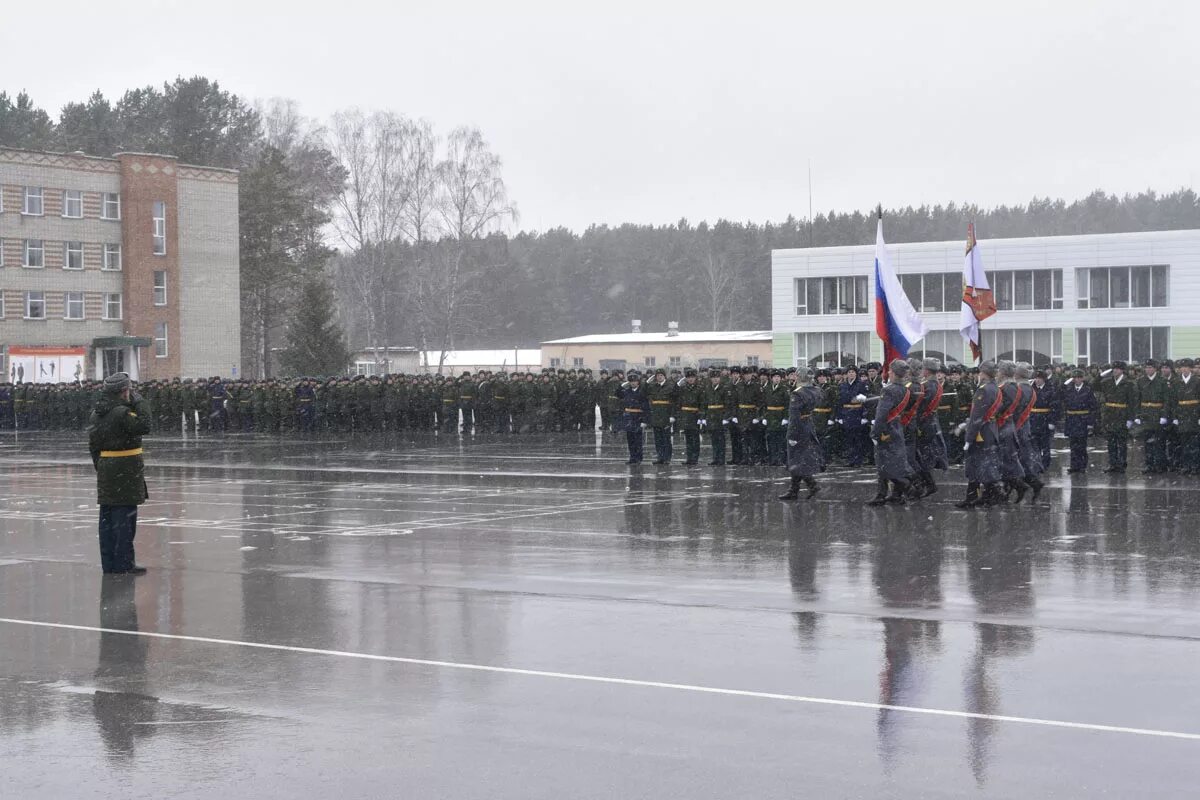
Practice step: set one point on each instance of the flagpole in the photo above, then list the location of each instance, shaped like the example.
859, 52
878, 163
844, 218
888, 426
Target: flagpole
978, 322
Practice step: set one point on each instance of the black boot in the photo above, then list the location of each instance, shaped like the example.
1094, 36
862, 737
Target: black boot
813, 488
794, 492
881, 495
1037, 486
899, 489
916, 489
930, 486
993, 495
1020, 487
972, 498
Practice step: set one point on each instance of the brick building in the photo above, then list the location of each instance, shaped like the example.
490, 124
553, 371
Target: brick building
127, 263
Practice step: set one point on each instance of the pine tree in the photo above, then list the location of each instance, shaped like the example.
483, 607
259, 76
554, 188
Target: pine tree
315, 344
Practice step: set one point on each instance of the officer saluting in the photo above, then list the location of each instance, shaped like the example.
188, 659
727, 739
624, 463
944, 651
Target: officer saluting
118, 422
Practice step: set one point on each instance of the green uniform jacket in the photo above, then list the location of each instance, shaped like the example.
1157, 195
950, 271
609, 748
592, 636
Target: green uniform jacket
662, 402
1185, 404
1154, 399
1120, 404
115, 443
775, 400
718, 401
691, 406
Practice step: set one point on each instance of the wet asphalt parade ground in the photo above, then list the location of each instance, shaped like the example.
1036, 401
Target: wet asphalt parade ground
527, 617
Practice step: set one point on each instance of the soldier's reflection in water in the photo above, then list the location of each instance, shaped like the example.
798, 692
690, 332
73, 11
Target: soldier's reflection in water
118, 704
908, 567
1000, 576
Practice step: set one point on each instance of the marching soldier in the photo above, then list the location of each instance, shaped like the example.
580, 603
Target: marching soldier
1031, 461
930, 442
805, 454
891, 454
1011, 471
983, 459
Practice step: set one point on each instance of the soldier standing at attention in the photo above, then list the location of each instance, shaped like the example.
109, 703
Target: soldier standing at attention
805, 453
1044, 418
636, 409
118, 422
776, 398
716, 401
1079, 406
1153, 396
691, 399
1118, 414
1185, 413
661, 394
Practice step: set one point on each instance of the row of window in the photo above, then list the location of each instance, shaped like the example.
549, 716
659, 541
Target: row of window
674, 362
73, 309
1014, 290
1033, 345
33, 254
34, 203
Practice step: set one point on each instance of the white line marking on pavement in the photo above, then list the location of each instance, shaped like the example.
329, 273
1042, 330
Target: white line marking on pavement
601, 679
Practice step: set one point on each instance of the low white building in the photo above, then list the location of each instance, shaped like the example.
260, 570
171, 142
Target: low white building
670, 349
456, 362
1077, 299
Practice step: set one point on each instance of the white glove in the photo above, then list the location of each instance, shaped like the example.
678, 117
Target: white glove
839, 422
643, 426
1162, 420
1104, 373
1051, 427
734, 420
754, 422
966, 447
830, 422
792, 443
1137, 422
1128, 424
702, 422
860, 398
785, 422
962, 426
1176, 422
724, 422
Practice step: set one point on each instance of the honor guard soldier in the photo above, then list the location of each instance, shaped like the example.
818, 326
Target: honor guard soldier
1185, 416
979, 431
930, 449
661, 394
1117, 414
891, 453
1031, 461
1011, 470
805, 454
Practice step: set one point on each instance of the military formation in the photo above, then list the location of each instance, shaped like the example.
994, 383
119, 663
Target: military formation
741, 415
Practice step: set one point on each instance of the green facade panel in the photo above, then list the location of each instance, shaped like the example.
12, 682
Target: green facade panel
1185, 342
783, 349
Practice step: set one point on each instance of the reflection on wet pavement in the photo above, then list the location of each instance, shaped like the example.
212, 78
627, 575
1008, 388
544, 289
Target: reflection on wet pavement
548, 555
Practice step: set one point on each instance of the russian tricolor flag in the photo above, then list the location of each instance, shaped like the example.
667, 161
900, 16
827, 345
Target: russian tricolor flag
896, 321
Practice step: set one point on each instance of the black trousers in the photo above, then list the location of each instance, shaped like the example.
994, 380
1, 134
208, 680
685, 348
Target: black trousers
662, 444
635, 440
118, 526
716, 438
1118, 450
777, 448
1079, 452
1043, 442
739, 455
691, 441
1154, 448
1189, 452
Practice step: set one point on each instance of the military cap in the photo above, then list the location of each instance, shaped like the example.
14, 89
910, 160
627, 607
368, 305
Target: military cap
850, 368
1185, 362
791, 370
116, 383
1077, 373
735, 370
899, 368
803, 375
689, 373
825, 373
987, 368
1150, 362
932, 364
1121, 365
633, 375
660, 371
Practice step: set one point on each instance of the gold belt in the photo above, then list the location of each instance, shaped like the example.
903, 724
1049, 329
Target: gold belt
693, 409
660, 402
944, 408
137, 451
852, 405
776, 408
1040, 410
823, 410
745, 406
1153, 405
633, 411
1188, 402
716, 408
1115, 405
1078, 413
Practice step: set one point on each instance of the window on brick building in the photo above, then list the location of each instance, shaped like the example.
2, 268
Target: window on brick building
73, 305
160, 340
73, 255
651, 361
110, 208
35, 305
160, 287
72, 203
34, 253
112, 305
112, 257
33, 201
160, 228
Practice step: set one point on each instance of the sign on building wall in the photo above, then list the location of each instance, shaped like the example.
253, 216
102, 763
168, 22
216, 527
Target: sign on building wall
46, 364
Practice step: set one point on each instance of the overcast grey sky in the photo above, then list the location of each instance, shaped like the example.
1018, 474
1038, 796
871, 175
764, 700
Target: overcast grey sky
651, 111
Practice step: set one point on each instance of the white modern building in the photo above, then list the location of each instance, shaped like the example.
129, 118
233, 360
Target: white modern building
1077, 299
